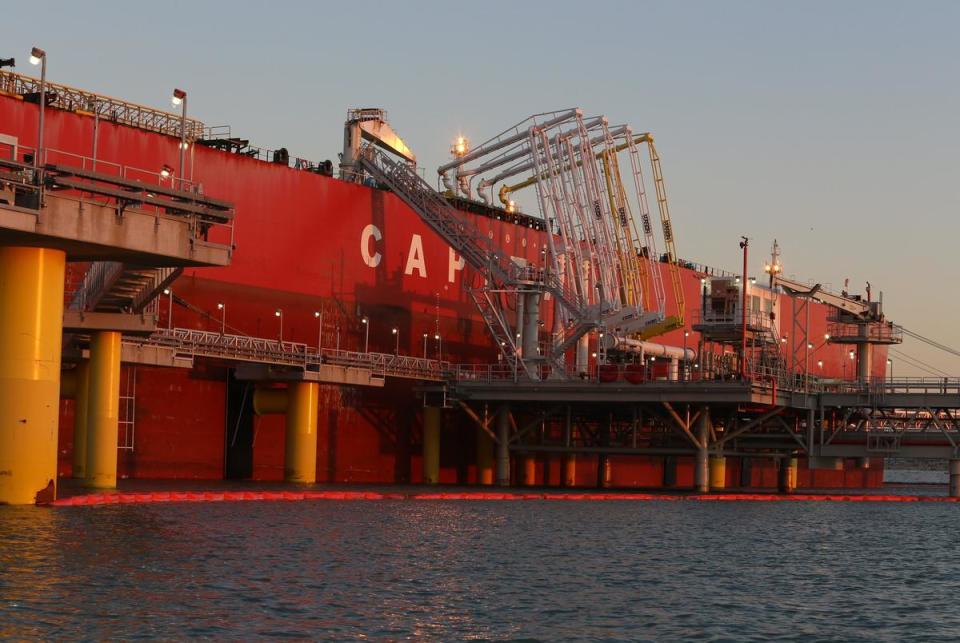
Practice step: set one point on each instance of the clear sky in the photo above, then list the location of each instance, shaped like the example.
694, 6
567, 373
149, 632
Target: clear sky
832, 126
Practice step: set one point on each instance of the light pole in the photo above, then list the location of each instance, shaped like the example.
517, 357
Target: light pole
223, 318
439, 346
683, 362
279, 314
366, 335
424, 346
39, 57
180, 98
396, 334
169, 293
745, 245
319, 315
890, 364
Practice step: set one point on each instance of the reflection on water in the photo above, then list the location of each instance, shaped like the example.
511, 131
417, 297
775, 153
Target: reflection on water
488, 570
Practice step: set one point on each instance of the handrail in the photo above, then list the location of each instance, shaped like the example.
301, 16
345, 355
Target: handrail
271, 351
112, 109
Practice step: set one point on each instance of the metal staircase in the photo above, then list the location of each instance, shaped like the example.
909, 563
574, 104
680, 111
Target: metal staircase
767, 353
115, 287
498, 328
499, 270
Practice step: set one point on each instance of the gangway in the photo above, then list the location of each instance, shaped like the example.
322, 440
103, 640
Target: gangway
856, 321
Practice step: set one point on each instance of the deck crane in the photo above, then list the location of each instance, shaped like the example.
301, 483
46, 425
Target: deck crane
856, 321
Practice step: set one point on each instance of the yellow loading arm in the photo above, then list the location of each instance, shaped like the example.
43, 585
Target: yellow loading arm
634, 275
664, 208
672, 322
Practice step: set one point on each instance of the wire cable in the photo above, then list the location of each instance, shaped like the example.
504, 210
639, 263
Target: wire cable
917, 363
931, 342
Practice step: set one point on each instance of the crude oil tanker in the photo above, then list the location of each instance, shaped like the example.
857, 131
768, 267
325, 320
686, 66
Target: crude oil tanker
340, 263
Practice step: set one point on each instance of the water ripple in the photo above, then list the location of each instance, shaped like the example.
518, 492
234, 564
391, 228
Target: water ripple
482, 570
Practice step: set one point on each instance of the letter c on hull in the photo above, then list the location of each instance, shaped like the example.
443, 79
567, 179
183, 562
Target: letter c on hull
372, 260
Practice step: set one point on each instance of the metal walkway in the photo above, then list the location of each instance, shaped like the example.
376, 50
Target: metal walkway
187, 343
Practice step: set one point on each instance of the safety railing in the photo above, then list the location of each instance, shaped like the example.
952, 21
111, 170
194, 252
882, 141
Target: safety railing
704, 269
201, 343
391, 365
755, 319
236, 347
873, 332
96, 281
886, 386
221, 137
160, 178
118, 111
69, 174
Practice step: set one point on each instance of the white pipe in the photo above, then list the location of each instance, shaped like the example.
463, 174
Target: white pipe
488, 147
649, 349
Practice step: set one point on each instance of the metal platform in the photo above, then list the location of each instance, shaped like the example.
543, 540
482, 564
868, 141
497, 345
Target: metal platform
133, 223
269, 359
827, 419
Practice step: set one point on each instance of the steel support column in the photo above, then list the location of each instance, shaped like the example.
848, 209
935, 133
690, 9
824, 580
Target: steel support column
955, 478
431, 444
485, 457
701, 476
503, 446
568, 473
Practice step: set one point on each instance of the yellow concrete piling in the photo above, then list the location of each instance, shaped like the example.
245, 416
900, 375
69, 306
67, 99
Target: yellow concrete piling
103, 411
31, 330
300, 452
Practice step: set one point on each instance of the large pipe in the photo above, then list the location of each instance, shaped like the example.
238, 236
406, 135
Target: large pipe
651, 349
506, 189
524, 167
486, 148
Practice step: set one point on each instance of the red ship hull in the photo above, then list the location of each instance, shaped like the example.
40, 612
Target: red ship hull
308, 243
